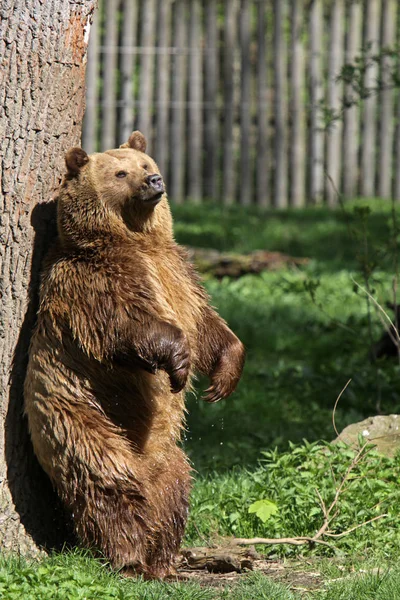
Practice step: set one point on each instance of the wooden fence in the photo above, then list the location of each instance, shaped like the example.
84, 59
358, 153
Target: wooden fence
236, 97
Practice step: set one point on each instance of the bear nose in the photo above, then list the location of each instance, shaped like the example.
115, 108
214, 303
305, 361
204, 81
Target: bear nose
156, 182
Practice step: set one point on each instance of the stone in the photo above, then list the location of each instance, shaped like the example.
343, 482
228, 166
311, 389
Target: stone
381, 430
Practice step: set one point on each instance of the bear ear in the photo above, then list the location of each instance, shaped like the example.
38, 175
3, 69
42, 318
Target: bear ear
75, 159
136, 141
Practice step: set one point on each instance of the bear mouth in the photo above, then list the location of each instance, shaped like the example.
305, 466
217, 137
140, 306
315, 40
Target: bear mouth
153, 200
147, 197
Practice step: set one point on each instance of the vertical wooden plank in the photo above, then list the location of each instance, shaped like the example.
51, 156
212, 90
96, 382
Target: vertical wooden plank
245, 103
263, 163
178, 88
211, 124
335, 96
396, 193
228, 171
351, 117
109, 108
128, 60
297, 145
146, 75
389, 17
280, 104
316, 96
194, 154
89, 129
162, 83
369, 138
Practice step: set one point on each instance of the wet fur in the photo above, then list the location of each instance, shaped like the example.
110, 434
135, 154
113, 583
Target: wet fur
123, 325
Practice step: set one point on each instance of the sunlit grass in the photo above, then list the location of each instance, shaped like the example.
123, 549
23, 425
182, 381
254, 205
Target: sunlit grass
307, 332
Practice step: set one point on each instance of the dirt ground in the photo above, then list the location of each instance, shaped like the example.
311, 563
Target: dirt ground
300, 576
226, 565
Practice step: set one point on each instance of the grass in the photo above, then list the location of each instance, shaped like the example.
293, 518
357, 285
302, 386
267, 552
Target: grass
292, 480
307, 331
74, 576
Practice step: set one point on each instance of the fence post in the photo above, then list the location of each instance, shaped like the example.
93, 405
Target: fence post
316, 97
351, 117
178, 88
245, 104
397, 148
109, 109
368, 142
161, 102
195, 96
297, 145
228, 170
128, 60
335, 97
280, 112
146, 75
263, 189
389, 20
211, 125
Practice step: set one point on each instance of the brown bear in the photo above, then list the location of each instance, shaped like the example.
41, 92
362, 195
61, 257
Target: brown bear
123, 325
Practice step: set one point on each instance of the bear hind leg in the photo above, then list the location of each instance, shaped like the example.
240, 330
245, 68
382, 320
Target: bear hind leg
114, 523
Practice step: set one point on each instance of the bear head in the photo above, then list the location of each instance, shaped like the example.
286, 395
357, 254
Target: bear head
105, 194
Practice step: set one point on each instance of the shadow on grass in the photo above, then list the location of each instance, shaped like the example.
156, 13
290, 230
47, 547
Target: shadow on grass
296, 367
299, 355
331, 237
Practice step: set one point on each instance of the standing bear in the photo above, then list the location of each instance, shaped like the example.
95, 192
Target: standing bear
123, 324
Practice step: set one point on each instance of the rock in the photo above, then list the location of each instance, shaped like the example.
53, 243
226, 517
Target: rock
382, 430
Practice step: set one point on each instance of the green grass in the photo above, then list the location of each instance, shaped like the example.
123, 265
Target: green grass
76, 576
292, 480
73, 576
383, 585
307, 332
332, 237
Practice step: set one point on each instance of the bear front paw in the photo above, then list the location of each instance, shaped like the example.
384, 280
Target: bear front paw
179, 369
226, 373
216, 392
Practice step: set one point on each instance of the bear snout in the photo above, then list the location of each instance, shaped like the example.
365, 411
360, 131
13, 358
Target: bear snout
156, 182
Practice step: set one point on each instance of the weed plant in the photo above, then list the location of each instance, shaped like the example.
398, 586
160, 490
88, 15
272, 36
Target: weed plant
292, 480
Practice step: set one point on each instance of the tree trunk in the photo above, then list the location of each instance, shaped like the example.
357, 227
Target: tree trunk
43, 48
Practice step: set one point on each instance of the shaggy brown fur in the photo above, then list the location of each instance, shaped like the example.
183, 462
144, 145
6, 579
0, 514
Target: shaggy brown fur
122, 326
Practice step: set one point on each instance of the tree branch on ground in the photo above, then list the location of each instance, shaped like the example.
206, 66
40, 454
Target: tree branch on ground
329, 513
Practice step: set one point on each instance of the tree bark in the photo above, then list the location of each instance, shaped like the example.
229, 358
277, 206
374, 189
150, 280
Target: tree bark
43, 48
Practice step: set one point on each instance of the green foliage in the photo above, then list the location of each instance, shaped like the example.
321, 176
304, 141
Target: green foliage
224, 505
331, 237
258, 587
76, 576
381, 584
307, 331
304, 341
263, 509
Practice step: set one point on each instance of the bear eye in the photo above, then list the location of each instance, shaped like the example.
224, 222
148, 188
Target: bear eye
121, 174
145, 167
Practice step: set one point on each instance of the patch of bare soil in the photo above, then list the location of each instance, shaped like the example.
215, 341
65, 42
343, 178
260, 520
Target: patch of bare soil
226, 565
